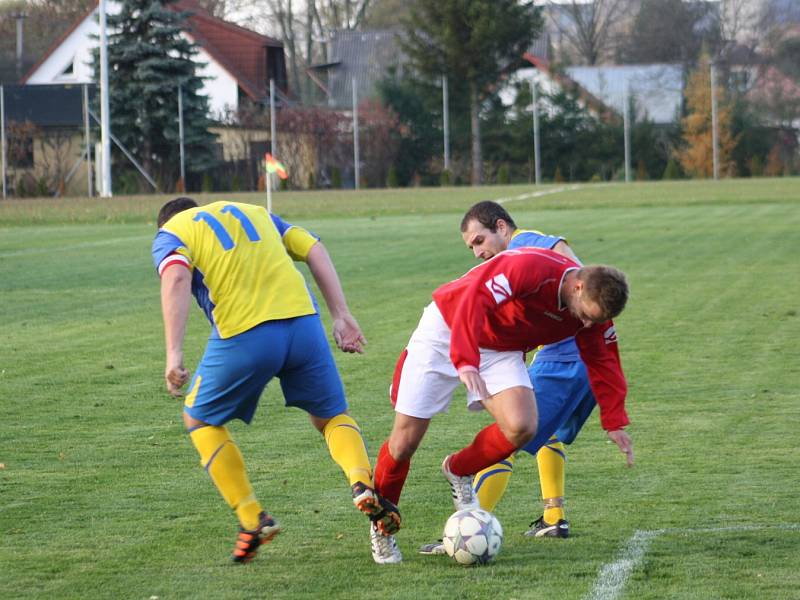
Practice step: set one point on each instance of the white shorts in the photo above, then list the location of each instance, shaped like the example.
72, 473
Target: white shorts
425, 377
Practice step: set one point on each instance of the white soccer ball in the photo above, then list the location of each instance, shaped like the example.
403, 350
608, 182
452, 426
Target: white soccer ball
472, 537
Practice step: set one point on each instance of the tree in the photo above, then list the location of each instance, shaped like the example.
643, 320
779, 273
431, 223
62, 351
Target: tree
696, 157
471, 41
671, 31
589, 27
149, 60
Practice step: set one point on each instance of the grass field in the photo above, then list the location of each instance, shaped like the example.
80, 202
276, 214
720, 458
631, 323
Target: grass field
101, 494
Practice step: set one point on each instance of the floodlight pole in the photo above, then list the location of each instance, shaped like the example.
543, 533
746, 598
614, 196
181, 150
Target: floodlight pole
714, 124
273, 127
180, 137
537, 162
3, 136
446, 122
626, 130
355, 135
87, 139
105, 140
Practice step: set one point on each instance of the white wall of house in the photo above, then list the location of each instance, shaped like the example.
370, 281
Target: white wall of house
71, 62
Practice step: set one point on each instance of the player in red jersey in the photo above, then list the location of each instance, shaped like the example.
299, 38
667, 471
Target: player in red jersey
477, 331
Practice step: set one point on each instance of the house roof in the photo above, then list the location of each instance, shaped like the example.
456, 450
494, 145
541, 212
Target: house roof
363, 55
590, 100
45, 105
656, 88
239, 50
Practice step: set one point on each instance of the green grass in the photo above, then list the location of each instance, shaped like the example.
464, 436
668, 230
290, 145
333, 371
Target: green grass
101, 495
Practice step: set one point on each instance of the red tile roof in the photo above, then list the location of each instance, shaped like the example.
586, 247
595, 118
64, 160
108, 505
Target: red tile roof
240, 51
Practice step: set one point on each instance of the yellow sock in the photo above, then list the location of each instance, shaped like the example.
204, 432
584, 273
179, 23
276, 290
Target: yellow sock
221, 458
551, 458
347, 448
491, 483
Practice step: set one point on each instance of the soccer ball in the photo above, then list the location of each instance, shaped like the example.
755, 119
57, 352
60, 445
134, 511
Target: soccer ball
472, 537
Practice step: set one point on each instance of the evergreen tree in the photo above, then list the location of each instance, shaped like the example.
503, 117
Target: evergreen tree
697, 156
149, 59
474, 42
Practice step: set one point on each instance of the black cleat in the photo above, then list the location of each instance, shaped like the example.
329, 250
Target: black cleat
249, 541
541, 528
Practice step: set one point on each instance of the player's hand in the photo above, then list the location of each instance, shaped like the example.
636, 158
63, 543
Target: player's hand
347, 334
623, 441
176, 375
474, 383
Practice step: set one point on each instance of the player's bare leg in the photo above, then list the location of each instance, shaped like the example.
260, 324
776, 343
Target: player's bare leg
514, 410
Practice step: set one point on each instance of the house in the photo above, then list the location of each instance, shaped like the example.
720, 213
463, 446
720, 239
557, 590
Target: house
237, 63
45, 139
361, 56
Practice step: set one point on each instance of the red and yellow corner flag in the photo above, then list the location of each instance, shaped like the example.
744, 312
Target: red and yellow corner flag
273, 166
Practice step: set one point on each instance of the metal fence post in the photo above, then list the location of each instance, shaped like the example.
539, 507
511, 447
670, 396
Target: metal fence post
355, 136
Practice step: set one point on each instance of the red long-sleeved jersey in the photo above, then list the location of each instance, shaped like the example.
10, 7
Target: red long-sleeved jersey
512, 303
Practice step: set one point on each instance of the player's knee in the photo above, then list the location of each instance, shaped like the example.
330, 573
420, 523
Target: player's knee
403, 447
520, 434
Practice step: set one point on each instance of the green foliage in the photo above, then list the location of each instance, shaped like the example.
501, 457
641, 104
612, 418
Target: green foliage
558, 177
503, 176
474, 43
148, 60
391, 178
445, 178
672, 170
312, 182
208, 183
236, 183
336, 178
755, 167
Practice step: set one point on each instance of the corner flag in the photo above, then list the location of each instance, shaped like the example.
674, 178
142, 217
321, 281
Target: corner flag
273, 166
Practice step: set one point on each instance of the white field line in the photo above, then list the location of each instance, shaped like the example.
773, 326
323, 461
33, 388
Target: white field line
612, 577
78, 246
537, 194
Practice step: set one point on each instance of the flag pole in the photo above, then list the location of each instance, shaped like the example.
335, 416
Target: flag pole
269, 191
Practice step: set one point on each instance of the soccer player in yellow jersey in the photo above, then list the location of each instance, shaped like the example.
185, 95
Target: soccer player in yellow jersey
237, 261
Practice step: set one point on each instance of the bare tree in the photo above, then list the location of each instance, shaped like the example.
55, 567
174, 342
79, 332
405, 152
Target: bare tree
589, 27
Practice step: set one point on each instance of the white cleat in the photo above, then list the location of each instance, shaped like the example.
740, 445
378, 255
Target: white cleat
464, 497
384, 548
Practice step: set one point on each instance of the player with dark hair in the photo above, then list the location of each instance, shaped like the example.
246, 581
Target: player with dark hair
557, 373
236, 259
476, 331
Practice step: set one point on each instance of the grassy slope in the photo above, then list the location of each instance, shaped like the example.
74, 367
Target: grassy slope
101, 495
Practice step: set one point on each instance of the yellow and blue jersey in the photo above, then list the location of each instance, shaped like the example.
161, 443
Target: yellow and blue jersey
565, 350
241, 259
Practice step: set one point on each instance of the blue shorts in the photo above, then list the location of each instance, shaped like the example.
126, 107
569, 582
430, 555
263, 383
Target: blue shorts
564, 401
234, 372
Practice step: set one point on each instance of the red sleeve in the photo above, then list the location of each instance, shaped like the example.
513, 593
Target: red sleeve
468, 317
600, 352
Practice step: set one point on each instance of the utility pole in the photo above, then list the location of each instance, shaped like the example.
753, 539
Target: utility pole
180, 136
355, 136
626, 129
537, 163
714, 124
446, 118
105, 139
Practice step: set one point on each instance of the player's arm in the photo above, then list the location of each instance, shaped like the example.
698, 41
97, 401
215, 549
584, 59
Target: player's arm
564, 250
176, 292
600, 353
346, 332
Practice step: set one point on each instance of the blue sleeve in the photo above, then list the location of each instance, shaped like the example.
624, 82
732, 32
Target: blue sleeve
534, 239
164, 244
